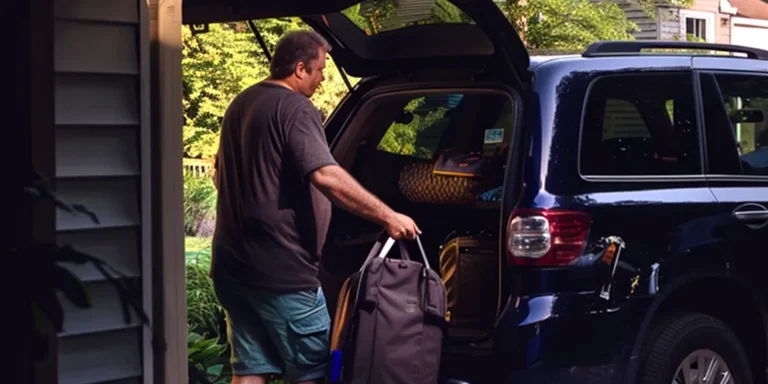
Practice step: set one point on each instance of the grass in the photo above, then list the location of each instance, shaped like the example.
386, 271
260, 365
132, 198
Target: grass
203, 309
196, 247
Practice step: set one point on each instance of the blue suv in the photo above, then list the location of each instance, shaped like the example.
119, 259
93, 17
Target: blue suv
596, 218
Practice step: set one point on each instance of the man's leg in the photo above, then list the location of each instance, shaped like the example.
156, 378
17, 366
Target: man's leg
300, 327
254, 357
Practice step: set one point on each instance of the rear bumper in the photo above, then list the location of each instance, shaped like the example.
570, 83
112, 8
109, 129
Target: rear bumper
570, 338
554, 338
609, 373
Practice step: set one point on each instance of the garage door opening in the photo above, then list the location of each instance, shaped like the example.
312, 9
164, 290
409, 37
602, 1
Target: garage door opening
219, 61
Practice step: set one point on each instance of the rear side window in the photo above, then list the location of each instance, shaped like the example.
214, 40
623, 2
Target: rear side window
640, 125
469, 123
735, 122
418, 130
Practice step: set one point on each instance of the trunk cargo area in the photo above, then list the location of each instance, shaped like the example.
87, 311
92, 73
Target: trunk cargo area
449, 178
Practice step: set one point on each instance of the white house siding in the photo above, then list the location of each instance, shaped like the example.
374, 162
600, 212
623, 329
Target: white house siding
100, 141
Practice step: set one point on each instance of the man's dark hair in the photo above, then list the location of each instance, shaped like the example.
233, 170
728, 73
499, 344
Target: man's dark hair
294, 47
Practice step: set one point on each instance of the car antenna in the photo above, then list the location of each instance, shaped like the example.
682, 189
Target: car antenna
260, 40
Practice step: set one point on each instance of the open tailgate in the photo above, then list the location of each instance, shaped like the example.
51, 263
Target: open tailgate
374, 37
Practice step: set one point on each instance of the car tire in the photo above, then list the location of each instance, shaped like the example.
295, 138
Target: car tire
680, 337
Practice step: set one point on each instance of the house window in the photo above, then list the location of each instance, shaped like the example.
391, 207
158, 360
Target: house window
697, 25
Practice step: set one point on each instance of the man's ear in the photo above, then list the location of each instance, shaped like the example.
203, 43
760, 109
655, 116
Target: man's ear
300, 70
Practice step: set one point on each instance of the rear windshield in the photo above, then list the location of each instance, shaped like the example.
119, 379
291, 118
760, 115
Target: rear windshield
377, 16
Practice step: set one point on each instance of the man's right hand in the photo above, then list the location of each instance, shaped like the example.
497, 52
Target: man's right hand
400, 226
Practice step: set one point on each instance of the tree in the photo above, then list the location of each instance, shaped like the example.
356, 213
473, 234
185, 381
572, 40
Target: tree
567, 24
222, 62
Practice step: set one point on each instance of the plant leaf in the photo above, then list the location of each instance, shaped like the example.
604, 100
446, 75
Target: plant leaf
126, 295
215, 370
42, 192
71, 287
66, 253
50, 307
196, 375
193, 337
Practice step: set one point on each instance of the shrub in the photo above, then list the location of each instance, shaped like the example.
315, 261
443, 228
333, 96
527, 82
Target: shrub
199, 205
204, 313
207, 355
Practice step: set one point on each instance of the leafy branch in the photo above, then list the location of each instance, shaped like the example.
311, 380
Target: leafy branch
48, 277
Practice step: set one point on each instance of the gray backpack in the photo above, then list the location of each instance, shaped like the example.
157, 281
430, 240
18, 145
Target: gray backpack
390, 320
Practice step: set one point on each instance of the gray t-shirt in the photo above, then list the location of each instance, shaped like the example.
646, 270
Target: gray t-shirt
271, 222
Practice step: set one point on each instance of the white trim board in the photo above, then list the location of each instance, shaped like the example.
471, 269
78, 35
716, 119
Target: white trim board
749, 22
145, 151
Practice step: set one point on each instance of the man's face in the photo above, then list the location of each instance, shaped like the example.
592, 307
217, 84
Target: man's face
311, 77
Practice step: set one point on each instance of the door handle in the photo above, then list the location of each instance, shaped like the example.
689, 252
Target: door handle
751, 215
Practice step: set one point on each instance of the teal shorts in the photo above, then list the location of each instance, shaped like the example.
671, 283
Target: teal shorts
282, 333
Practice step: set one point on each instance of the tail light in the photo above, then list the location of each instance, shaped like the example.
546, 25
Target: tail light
541, 237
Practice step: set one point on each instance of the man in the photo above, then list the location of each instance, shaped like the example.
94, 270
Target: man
275, 176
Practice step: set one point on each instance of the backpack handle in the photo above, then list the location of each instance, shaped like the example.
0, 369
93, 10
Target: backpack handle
387, 246
382, 248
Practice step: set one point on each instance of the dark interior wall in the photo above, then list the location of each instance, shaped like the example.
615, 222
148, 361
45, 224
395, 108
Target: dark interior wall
28, 122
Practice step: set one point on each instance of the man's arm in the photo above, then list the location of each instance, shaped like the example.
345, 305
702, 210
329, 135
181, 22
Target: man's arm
309, 153
342, 189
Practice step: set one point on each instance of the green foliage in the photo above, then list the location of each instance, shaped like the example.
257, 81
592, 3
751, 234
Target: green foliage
404, 138
376, 16
568, 24
204, 313
197, 247
199, 205
206, 341
219, 64
207, 355
47, 279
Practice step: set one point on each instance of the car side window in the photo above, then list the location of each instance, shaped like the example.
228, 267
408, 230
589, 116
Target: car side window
735, 123
640, 125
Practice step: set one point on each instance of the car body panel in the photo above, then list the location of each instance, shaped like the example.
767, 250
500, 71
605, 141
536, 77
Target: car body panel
671, 228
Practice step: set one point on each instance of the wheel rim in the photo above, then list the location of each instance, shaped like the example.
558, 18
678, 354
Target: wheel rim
703, 366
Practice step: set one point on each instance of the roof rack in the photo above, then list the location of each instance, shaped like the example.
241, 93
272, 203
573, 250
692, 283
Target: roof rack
613, 48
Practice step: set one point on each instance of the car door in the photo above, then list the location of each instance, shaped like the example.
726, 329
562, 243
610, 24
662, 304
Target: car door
736, 128
372, 37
